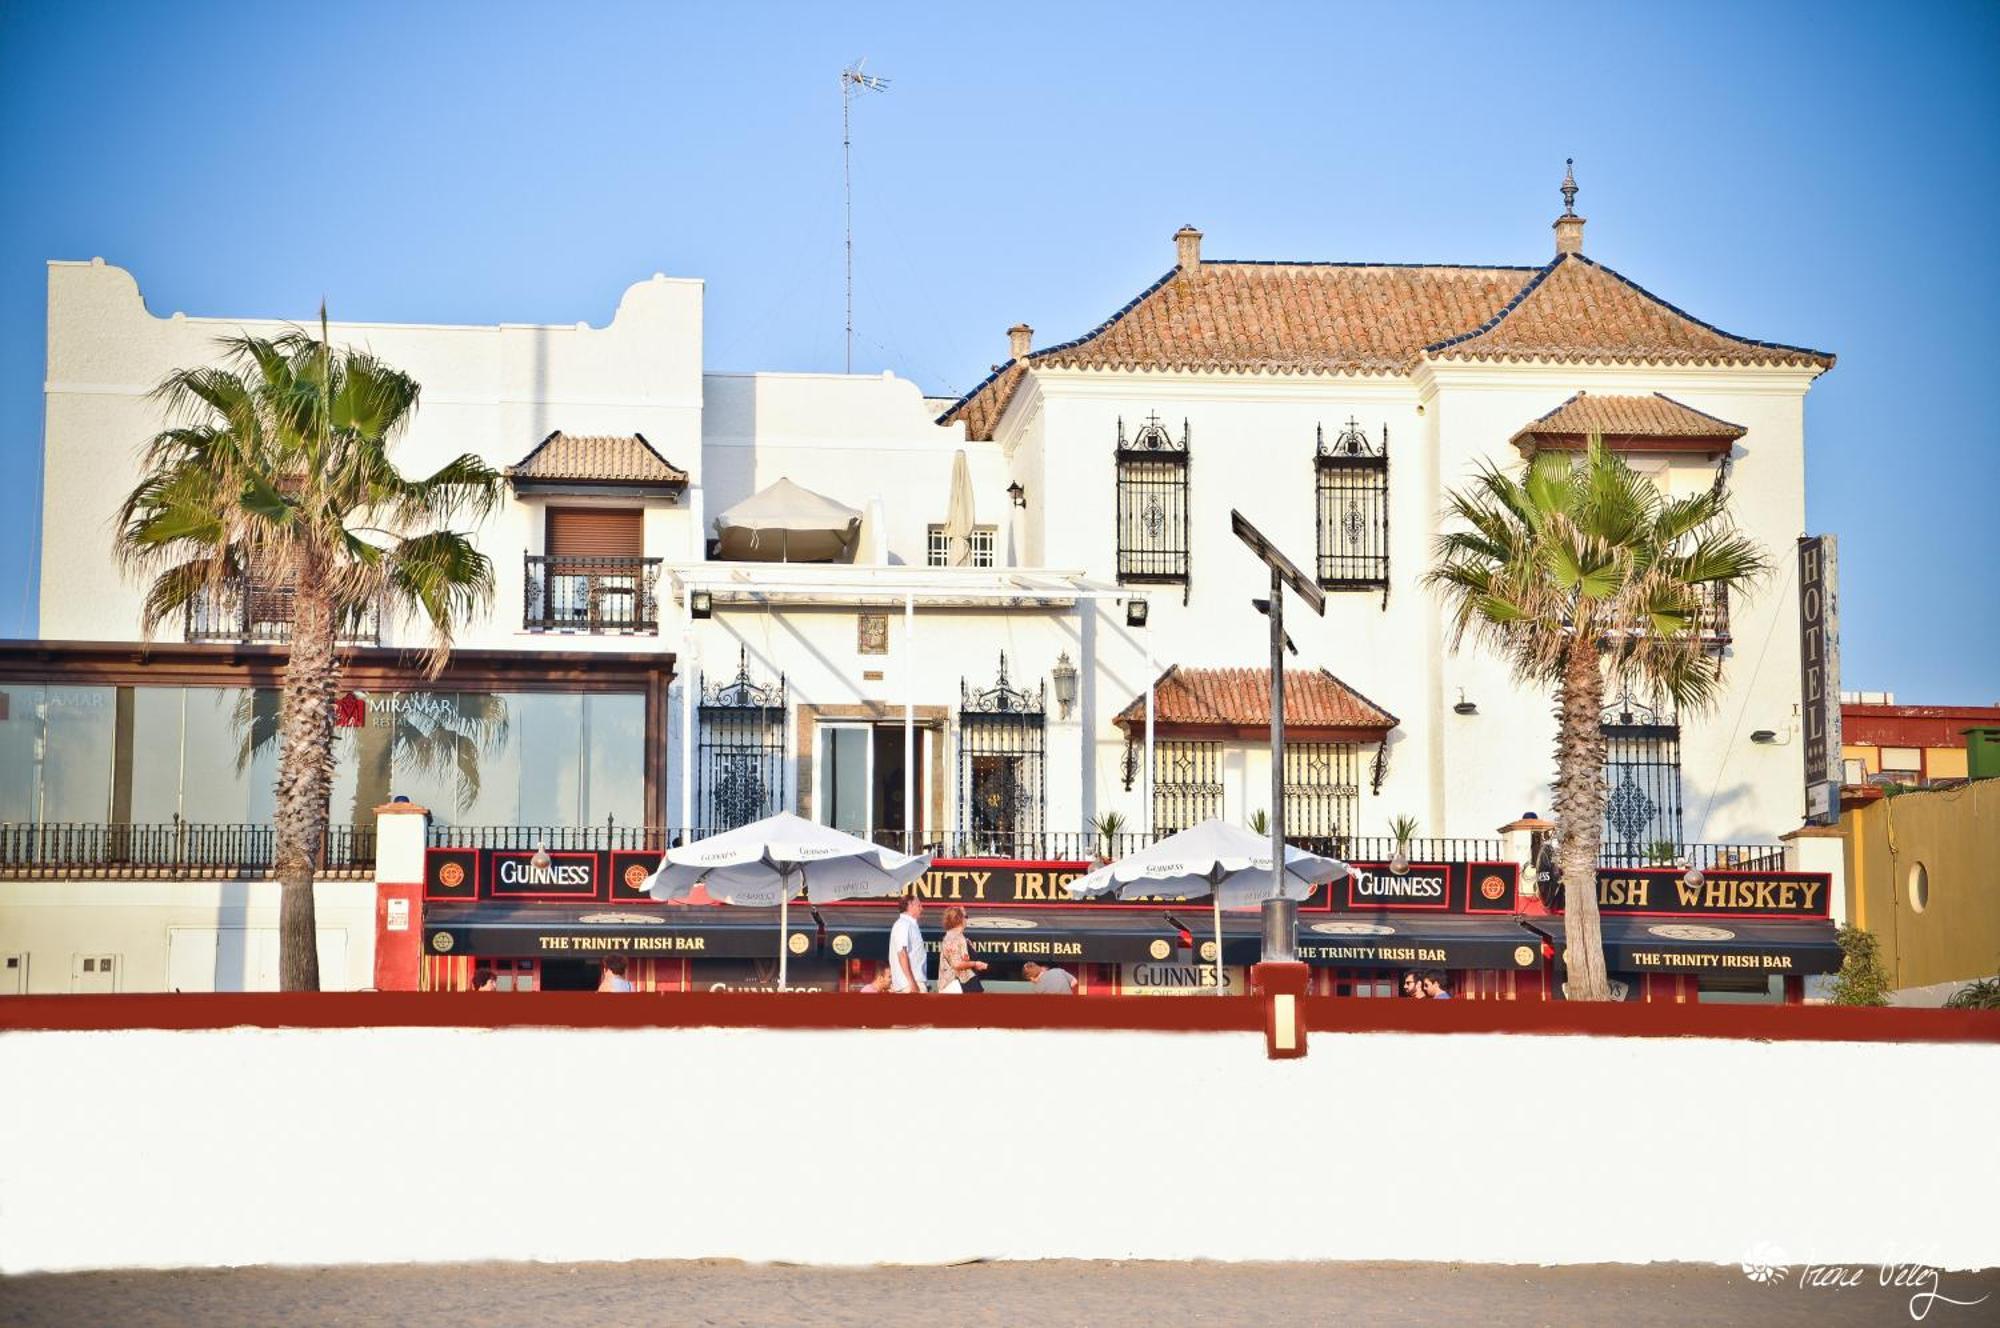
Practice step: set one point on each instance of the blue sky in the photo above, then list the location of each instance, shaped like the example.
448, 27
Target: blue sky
1816, 174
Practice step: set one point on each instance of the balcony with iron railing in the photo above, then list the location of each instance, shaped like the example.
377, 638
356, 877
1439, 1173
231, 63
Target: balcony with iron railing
265, 614
185, 850
562, 593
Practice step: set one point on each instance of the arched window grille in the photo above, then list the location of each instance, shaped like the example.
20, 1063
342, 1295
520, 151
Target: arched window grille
1642, 782
1322, 789
741, 752
1353, 492
1152, 505
1001, 760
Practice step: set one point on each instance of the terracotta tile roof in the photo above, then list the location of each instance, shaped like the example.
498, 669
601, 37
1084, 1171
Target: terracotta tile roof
1655, 416
1251, 317
1578, 310
596, 459
1241, 698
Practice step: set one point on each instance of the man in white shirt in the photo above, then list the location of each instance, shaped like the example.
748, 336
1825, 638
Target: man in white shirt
907, 960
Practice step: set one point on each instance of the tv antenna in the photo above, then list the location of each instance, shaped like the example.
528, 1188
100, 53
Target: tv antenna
853, 79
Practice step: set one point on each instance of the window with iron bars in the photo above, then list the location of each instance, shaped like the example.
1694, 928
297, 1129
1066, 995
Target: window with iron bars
1322, 789
1187, 784
741, 757
1642, 782
1353, 509
1002, 784
937, 547
1152, 505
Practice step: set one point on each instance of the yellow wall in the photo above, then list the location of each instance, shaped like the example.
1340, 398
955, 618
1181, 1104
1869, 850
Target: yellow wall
1955, 835
1939, 762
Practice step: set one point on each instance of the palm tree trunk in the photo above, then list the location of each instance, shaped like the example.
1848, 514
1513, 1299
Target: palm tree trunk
305, 777
1579, 804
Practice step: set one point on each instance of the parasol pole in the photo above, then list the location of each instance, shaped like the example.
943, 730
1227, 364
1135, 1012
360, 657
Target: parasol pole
1215, 897
784, 921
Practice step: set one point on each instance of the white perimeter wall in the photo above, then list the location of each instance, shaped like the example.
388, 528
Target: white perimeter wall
176, 935
388, 1145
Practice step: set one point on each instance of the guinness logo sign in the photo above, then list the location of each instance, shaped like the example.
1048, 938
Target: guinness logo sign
441, 942
1524, 955
636, 874
843, 945
1159, 949
1208, 952
798, 943
451, 876
1492, 887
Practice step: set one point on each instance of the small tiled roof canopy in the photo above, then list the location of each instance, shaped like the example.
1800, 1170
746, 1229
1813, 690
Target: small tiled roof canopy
1636, 423
1250, 317
607, 459
1237, 703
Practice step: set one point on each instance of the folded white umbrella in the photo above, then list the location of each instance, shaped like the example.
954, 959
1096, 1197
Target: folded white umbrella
959, 518
769, 861
1227, 863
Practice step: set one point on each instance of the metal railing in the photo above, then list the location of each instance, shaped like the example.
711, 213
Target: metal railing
176, 849
570, 594
1708, 857
265, 614
169, 850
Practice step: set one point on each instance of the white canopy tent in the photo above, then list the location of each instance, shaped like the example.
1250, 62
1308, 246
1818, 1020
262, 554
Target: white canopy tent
769, 861
784, 522
1227, 863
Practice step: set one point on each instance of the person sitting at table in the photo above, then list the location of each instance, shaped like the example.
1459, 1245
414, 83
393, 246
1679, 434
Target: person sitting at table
1046, 980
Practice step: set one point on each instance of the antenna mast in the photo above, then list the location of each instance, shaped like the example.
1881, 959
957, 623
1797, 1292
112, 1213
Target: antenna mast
852, 80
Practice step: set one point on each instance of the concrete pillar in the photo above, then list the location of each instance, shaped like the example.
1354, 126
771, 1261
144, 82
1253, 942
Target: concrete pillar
401, 835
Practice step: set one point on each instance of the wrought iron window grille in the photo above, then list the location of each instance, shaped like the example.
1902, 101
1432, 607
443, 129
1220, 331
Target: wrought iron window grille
1153, 539
740, 761
1187, 784
1002, 760
1322, 788
1352, 509
1642, 776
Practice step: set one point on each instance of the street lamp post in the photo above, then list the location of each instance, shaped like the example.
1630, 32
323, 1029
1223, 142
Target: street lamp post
1280, 915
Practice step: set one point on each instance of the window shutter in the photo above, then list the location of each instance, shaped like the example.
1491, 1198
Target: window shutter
596, 532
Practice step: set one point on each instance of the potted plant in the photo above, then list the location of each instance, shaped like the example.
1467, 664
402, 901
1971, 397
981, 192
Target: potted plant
1108, 826
1402, 829
1260, 822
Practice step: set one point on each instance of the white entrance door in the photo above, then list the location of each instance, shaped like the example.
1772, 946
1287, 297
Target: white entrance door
14, 975
244, 959
93, 973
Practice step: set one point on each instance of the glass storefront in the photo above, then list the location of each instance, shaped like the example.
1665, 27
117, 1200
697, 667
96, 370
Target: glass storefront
150, 755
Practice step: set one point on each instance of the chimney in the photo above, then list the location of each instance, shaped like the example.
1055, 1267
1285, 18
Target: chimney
1569, 226
1020, 338
1187, 245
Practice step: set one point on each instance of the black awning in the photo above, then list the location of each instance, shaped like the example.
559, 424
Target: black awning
1377, 940
1710, 945
694, 931
1092, 934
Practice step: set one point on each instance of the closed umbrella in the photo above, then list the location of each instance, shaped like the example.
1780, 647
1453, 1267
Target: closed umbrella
769, 861
959, 519
1229, 864
786, 523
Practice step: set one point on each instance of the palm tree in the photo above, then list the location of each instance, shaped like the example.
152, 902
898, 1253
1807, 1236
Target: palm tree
1580, 572
274, 471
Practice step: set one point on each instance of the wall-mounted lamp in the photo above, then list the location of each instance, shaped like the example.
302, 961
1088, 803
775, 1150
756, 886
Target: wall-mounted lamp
1692, 877
1465, 707
1064, 677
1018, 494
701, 604
1764, 736
1135, 613
541, 861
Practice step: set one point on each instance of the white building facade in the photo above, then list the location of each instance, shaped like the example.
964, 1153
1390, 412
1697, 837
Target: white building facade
629, 677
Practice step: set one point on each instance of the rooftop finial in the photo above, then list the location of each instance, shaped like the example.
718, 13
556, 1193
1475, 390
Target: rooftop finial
1569, 186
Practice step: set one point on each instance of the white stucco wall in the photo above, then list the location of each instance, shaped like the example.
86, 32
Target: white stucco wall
720, 1156
178, 935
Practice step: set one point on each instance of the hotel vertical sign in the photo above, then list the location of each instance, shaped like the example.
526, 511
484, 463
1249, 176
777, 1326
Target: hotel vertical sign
1819, 677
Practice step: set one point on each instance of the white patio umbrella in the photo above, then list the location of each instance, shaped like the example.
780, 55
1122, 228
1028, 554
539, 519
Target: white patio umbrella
1229, 864
959, 519
769, 861
785, 522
